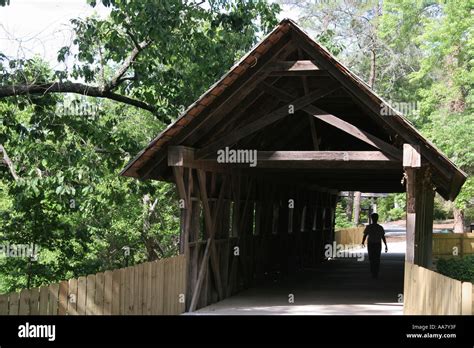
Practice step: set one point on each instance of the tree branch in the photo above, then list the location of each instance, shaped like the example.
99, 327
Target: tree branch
72, 87
126, 65
8, 162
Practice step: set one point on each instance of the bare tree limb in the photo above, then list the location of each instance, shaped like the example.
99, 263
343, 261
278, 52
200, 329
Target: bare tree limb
104, 91
126, 65
72, 87
151, 244
8, 162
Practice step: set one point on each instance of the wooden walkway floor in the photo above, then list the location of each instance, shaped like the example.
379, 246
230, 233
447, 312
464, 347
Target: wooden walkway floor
337, 287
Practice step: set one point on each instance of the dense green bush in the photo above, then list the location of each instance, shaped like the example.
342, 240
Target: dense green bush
395, 214
460, 269
441, 210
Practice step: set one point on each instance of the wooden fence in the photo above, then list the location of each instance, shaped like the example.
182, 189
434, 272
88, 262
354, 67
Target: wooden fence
427, 292
149, 288
453, 244
350, 236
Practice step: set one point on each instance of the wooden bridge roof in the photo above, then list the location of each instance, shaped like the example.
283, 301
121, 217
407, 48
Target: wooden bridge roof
334, 112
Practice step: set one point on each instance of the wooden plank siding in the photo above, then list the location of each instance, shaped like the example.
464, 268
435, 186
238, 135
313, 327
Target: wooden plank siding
430, 293
350, 236
452, 244
151, 288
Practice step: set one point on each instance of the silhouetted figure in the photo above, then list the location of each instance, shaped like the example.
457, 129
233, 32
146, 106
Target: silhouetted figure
376, 235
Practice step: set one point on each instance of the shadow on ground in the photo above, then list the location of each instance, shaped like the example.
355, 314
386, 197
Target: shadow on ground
336, 287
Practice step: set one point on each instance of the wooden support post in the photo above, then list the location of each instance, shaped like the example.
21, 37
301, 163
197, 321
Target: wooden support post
312, 125
411, 161
209, 224
424, 219
420, 201
202, 273
356, 213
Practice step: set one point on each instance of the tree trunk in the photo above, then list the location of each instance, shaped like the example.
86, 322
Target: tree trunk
373, 71
356, 207
151, 244
350, 205
458, 220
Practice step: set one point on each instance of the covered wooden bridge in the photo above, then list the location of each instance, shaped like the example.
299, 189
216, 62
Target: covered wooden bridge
259, 159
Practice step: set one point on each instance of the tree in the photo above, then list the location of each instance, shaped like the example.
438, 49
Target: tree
148, 53
447, 71
67, 149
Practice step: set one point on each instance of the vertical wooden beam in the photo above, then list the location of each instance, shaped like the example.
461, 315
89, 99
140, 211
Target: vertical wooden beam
244, 220
183, 195
411, 163
356, 204
208, 222
424, 219
202, 273
185, 189
410, 176
194, 251
312, 125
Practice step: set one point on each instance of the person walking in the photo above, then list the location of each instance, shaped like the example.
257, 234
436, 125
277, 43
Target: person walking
375, 234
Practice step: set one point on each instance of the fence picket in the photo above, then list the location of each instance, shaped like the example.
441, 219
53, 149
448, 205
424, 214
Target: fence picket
90, 294
108, 289
117, 292
99, 294
34, 301
148, 289
24, 302
43, 305
53, 299
14, 299
4, 304
63, 292
72, 297
81, 295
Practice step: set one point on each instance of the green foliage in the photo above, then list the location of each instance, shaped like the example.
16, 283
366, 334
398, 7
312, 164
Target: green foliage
396, 214
183, 38
447, 71
461, 268
68, 152
342, 221
69, 200
441, 211
328, 40
392, 207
